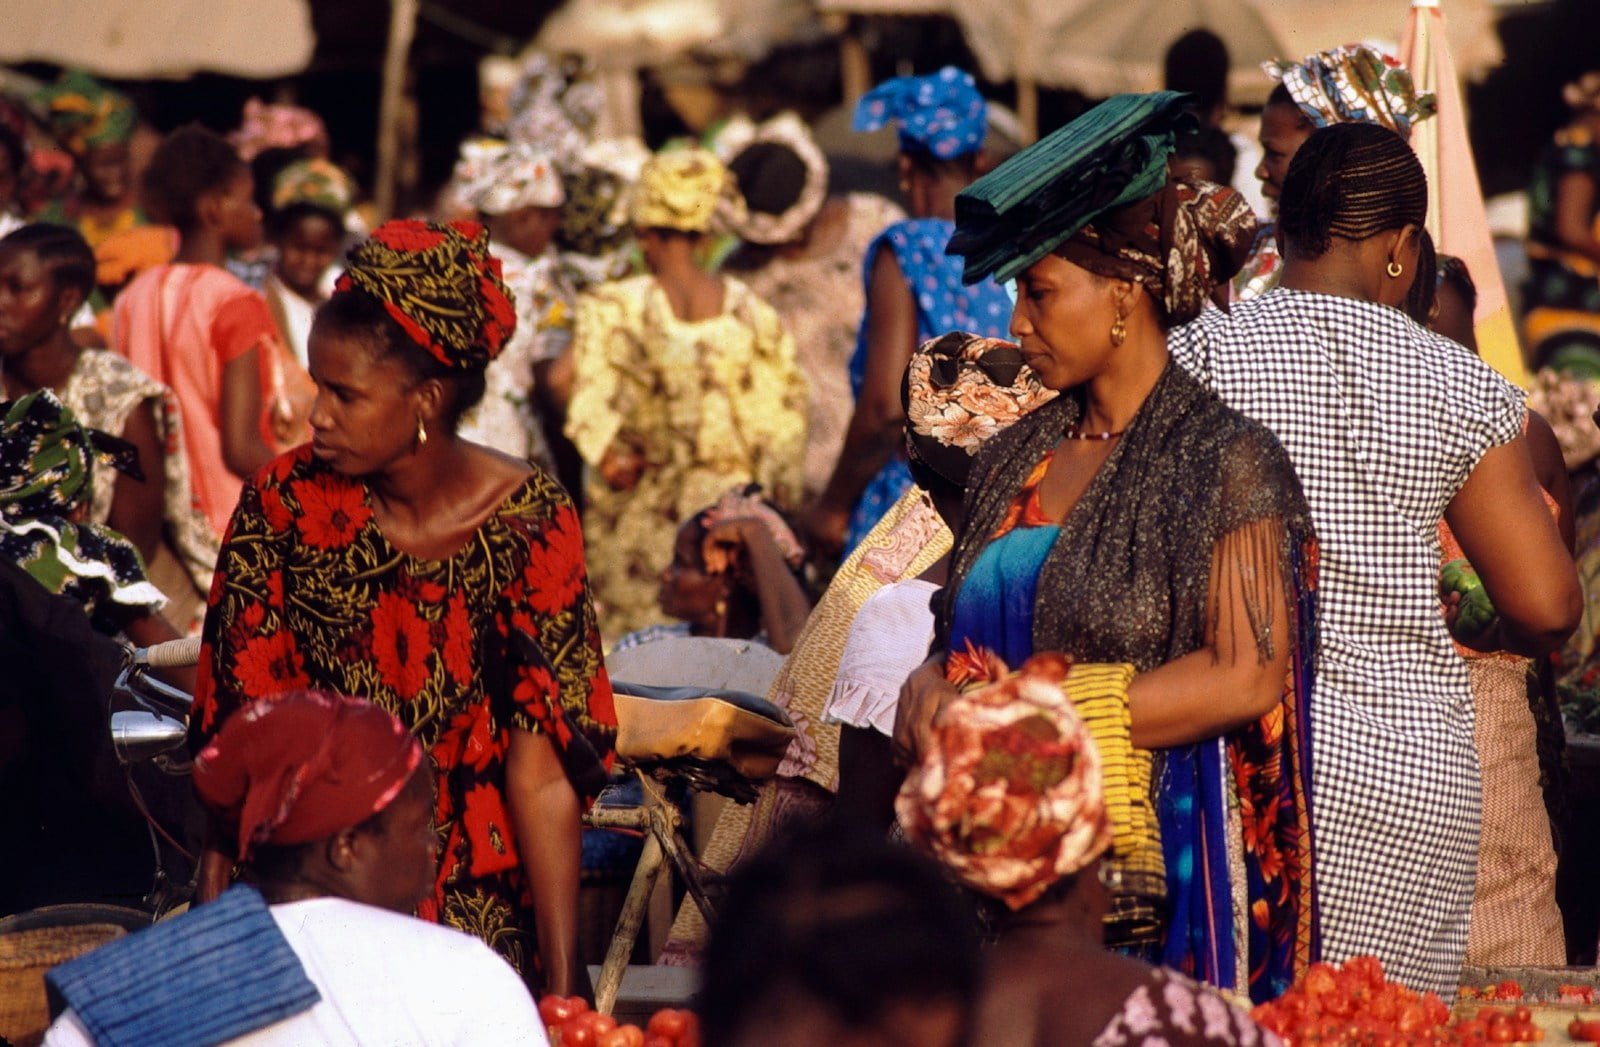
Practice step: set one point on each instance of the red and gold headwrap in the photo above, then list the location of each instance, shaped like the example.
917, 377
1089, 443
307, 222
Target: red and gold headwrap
440, 284
1180, 243
303, 766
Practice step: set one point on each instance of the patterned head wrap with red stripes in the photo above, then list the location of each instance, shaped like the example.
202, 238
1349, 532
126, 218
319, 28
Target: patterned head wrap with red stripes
440, 284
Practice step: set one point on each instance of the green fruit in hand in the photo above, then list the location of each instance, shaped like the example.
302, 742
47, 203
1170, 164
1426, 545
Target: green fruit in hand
1476, 613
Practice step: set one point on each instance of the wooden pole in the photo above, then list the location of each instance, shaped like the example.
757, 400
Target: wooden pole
402, 30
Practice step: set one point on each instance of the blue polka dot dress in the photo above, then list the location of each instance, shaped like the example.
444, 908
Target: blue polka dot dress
944, 304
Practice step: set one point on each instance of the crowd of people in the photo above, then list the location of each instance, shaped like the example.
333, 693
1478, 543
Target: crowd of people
1122, 655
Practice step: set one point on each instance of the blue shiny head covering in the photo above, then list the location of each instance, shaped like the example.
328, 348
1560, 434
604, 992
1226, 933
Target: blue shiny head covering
942, 114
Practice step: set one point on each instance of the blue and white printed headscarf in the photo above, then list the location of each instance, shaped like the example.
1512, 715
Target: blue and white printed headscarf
942, 114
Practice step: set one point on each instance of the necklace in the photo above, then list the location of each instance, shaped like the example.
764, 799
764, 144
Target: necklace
1075, 432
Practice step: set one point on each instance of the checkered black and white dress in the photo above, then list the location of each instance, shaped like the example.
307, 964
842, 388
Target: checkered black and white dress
1383, 421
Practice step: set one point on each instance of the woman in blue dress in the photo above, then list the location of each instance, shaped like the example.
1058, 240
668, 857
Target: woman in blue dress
1137, 520
914, 293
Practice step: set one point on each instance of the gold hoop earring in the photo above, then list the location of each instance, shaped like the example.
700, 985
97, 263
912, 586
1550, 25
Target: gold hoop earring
1119, 331
1394, 269
422, 432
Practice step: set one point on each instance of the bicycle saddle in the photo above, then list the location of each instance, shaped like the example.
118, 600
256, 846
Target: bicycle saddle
746, 732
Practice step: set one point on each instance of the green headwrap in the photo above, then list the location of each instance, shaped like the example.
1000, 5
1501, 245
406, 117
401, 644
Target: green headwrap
82, 112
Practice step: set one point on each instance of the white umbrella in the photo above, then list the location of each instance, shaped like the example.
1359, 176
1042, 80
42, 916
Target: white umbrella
1102, 47
174, 39
1456, 214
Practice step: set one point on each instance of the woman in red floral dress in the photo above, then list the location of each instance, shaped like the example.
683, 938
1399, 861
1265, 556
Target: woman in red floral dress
392, 560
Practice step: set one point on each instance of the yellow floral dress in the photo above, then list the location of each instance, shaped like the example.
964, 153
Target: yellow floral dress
707, 403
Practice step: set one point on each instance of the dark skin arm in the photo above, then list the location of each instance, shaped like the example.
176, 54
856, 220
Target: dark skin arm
553, 380
1506, 532
784, 607
1551, 470
138, 507
243, 449
1575, 200
877, 425
868, 779
545, 812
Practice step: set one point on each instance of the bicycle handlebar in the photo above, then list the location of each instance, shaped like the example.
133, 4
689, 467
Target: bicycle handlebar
173, 654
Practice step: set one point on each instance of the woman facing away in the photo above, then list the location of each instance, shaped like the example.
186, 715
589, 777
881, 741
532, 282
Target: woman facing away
1391, 428
684, 384
1011, 799
201, 331
328, 804
1137, 520
914, 292
443, 581
801, 253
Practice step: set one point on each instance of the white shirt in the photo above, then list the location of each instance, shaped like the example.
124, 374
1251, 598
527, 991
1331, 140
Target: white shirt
385, 979
888, 640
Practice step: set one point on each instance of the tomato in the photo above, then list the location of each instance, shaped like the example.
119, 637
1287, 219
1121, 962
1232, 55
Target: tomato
1508, 990
576, 1034
622, 1036
1319, 980
669, 1022
652, 1040
1584, 1029
558, 1010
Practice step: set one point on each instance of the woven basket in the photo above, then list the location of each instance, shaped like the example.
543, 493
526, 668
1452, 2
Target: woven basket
25, 956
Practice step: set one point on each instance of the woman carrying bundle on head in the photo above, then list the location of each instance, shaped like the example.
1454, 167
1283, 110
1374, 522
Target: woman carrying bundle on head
1137, 521
1390, 428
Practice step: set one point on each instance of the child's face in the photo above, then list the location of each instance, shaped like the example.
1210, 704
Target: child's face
1191, 169
305, 251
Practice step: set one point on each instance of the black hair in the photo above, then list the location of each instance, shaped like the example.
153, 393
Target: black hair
1351, 181
841, 919
932, 482
1424, 291
190, 163
1279, 95
1197, 62
771, 177
961, 168
63, 251
357, 313
267, 166
279, 222
1212, 145
16, 151
1453, 271
282, 862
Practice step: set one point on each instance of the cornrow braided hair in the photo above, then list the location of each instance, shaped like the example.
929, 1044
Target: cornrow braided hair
1352, 181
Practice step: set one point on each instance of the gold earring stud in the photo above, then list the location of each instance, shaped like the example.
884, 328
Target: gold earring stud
422, 432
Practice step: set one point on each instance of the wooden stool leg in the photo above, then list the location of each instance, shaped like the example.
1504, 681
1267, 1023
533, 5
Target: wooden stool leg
634, 908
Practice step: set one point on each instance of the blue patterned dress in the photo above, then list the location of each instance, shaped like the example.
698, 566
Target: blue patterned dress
943, 304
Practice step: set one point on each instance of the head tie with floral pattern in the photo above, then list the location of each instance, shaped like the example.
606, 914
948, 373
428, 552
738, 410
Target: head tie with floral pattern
959, 390
1180, 243
305, 765
1354, 84
688, 190
1009, 796
314, 183
82, 112
496, 178
277, 126
440, 284
942, 114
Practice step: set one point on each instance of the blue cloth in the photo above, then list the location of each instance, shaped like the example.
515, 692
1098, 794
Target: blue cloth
944, 304
943, 114
994, 609
209, 976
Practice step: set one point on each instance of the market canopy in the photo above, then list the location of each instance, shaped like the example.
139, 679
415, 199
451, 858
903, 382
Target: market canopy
1103, 47
160, 39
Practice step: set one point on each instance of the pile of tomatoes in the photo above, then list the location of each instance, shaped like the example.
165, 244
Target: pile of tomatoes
1355, 1006
571, 1023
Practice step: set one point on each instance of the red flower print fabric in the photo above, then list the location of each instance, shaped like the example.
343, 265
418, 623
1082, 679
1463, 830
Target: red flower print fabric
309, 593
